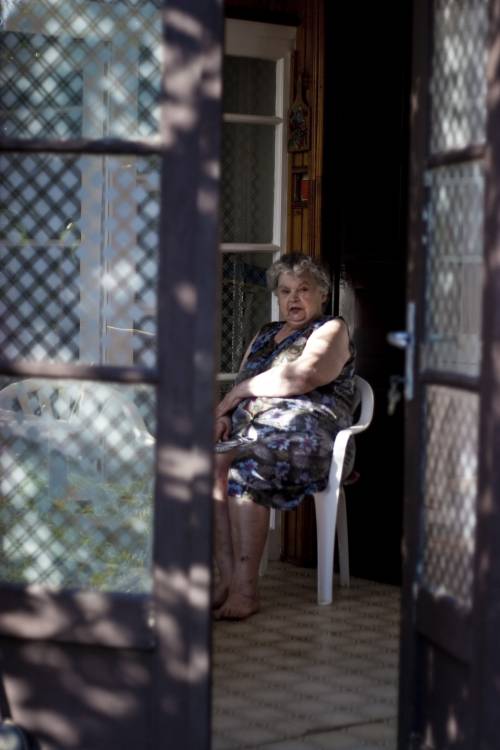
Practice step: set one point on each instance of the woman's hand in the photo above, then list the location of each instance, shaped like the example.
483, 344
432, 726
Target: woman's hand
222, 428
230, 401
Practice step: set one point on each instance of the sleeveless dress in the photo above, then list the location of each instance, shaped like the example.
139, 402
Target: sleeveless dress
293, 436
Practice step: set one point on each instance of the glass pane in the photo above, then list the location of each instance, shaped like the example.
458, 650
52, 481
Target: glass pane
452, 339
458, 83
77, 485
246, 304
249, 86
450, 489
78, 258
247, 196
80, 69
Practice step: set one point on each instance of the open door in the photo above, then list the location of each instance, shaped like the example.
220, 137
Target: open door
111, 123
449, 673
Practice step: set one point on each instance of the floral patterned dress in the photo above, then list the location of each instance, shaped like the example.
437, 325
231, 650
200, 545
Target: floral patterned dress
293, 436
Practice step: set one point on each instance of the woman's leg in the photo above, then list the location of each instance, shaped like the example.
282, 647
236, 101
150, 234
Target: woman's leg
249, 526
223, 547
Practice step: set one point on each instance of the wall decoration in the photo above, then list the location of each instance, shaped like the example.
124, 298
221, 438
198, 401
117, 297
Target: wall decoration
298, 121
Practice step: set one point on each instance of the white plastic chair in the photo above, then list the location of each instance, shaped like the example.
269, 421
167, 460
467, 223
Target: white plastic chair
94, 424
330, 507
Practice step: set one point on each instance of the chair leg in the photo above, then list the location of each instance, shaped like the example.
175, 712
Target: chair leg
343, 540
265, 554
272, 518
265, 558
326, 516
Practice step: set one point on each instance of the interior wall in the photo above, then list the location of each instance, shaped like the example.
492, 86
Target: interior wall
304, 212
364, 237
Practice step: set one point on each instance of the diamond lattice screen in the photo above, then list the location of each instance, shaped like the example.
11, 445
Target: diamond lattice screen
78, 235
458, 84
450, 489
247, 183
80, 68
41, 83
76, 486
79, 258
246, 304
78, 267
454, 216
249, 86
40, 199
453, 240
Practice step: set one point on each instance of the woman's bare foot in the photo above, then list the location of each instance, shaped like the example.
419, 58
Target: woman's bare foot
238, 606
221, 592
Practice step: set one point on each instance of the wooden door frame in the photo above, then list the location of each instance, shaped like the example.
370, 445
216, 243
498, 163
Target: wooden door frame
475, 641
189, 270
411, 518
179, 700
486, 615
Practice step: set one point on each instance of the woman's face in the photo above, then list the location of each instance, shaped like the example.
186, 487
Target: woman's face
300, 299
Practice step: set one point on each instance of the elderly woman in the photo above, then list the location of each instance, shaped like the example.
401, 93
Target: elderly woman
294, 392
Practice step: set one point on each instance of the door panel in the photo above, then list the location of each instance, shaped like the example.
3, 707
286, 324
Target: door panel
77, 485
457, 84
445, 281
449, 492
79, 697
454, 264
107, 368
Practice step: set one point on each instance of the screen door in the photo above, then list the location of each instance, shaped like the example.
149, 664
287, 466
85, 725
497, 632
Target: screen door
110, 115
450, 551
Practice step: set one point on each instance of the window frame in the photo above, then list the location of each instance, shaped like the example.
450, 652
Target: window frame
266, 42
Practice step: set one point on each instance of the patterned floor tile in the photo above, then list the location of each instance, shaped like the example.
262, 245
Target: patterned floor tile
297, 744
381, 731
254, 736
301, 677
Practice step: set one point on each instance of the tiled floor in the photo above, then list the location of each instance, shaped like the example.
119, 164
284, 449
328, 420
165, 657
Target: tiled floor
301, 677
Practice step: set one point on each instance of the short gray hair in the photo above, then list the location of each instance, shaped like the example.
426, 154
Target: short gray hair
299, 264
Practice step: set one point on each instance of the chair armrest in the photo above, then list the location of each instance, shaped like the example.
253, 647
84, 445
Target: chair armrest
339, 448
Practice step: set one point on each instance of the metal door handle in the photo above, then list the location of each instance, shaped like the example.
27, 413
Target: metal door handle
406, 340
399, 339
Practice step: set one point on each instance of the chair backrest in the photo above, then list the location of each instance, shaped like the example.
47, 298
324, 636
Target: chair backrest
366, 399
92, 424
75, 401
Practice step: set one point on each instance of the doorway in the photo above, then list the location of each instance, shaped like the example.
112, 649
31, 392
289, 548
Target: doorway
367, 80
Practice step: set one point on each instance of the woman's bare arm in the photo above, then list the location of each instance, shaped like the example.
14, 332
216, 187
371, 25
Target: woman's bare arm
322, 360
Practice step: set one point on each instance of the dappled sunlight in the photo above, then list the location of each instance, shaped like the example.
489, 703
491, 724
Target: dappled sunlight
211, 84
186, 295
179, 467
201, 579
118, 634
184, 23
207, 201
187, 661
452, 726
118, 703
186, 72
84, 692
86, 616
53, 724
191, 588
